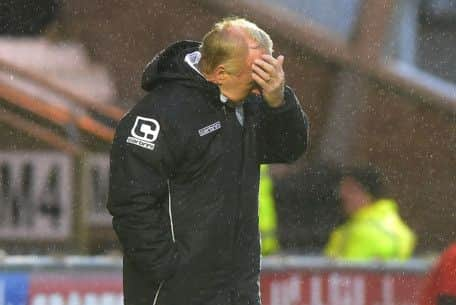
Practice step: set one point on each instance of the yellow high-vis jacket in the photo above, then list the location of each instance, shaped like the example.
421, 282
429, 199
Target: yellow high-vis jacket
267, 214
373, 232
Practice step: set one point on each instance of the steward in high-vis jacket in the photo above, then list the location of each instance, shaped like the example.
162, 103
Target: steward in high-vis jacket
267, 214
374, 230
184, 184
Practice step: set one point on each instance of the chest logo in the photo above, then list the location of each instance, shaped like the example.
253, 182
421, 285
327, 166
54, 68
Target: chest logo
144, 132
208, 129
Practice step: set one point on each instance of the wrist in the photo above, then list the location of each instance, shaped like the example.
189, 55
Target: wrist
276, 103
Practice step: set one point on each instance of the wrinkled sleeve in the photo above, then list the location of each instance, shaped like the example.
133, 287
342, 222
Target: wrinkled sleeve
140, 168
283, 132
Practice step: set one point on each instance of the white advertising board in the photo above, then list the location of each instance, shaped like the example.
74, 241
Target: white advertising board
96, 179
36, 190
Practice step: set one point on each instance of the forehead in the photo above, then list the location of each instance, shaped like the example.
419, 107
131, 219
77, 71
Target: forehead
255, 46
255, 51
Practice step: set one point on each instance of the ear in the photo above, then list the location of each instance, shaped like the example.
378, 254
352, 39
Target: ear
220, 74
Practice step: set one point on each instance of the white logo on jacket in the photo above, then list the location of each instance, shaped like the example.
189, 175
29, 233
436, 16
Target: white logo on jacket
144, 132
208, 129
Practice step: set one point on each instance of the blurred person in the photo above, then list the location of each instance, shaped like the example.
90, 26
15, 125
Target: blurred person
185, 167
267, 214
374, 229
307, 208
440, 284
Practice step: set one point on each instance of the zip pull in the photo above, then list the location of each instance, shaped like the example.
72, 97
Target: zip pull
224, 109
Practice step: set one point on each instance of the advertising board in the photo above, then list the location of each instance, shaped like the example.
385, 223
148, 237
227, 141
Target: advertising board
340, 288
285, 280
96, 179
277, 288
76, 288
35, 195
13, 288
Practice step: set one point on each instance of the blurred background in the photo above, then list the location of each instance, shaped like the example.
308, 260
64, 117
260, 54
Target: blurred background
376, 78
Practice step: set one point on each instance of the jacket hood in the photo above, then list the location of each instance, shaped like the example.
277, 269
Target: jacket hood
169, 65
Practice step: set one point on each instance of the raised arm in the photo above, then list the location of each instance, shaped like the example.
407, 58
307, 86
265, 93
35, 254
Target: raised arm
283, 128
283, 132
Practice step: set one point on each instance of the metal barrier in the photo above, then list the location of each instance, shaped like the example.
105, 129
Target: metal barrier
285, 280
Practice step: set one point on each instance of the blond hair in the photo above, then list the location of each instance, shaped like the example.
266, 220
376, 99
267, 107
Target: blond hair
224, 44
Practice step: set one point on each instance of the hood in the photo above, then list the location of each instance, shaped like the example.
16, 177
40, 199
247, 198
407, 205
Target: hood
169, 65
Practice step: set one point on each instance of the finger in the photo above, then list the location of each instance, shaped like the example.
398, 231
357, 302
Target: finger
265, 66
261, 82
280, 60
270, 59
264, 75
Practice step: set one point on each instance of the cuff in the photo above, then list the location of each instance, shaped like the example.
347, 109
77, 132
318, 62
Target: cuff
290, 101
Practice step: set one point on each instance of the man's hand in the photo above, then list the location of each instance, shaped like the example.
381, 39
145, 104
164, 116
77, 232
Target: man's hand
269, 75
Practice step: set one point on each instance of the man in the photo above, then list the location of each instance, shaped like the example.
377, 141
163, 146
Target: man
374, 229
185, 167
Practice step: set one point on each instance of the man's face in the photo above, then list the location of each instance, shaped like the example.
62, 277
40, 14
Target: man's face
238, 86
347, 189
352, 195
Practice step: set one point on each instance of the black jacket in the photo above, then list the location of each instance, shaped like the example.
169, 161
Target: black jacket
184, 185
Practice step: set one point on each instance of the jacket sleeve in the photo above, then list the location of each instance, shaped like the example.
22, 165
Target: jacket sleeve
283, 132
140, 167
